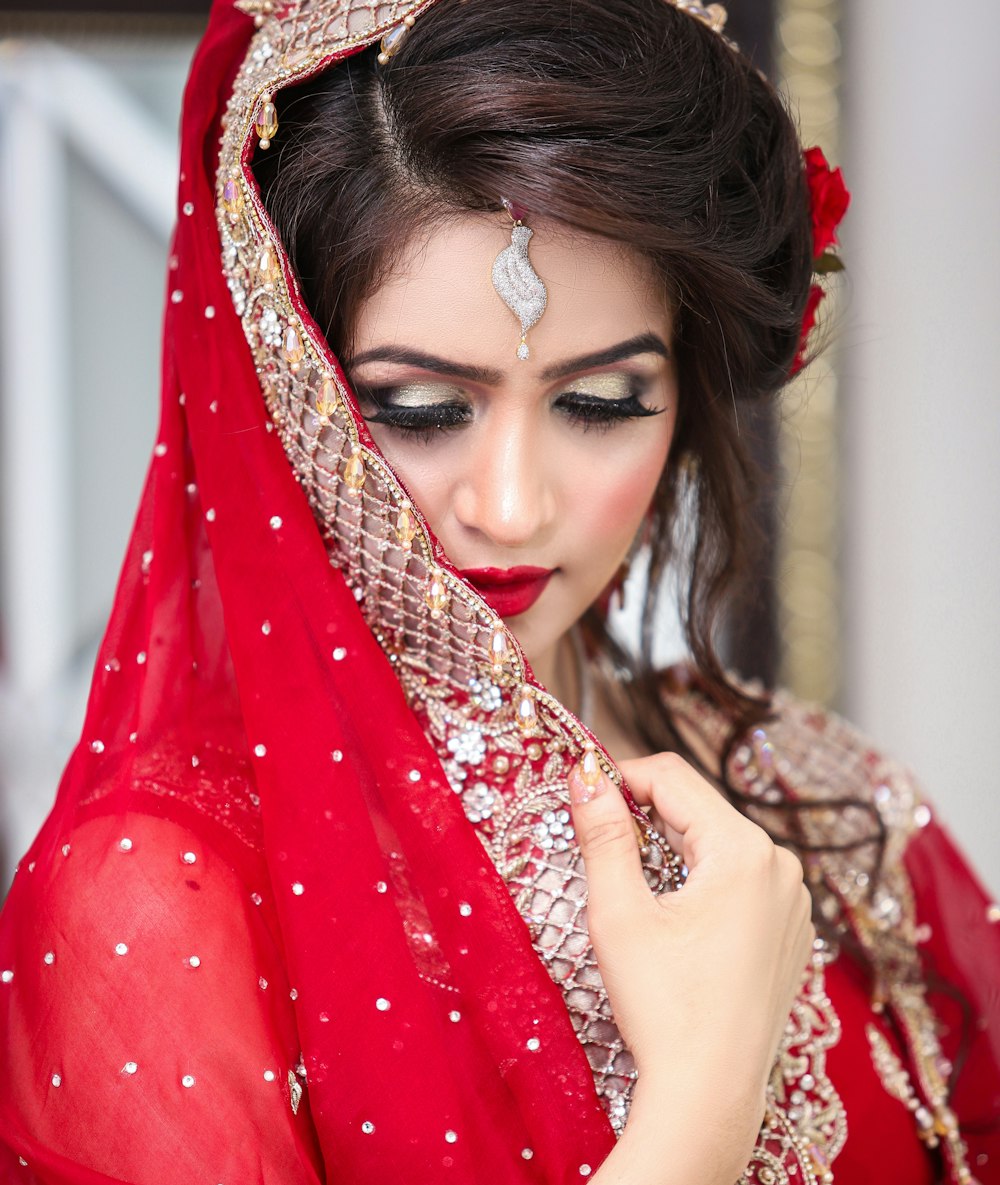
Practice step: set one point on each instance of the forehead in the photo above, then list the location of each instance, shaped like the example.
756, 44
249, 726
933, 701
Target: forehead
440, 296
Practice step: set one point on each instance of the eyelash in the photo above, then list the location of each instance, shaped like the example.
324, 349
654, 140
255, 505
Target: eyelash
588, 412
602, 414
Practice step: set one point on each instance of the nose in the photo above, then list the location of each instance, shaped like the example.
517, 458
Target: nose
506, 490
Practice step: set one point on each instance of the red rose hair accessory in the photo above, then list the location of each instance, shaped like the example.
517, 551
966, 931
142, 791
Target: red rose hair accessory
828, 202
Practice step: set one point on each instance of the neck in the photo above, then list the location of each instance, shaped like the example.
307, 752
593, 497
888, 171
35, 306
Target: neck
556, 669
559, 671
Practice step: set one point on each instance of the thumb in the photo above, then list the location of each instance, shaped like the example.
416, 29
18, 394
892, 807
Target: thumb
606, 833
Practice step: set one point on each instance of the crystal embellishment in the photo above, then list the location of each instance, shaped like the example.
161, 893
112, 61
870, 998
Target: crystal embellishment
500, 652
267, 270
437, 594
468, 747
354, 472
267, 123
326, 400
232, 198
517, 283
479, 802
392, 41
406, 526
527, 713
554, 832
292, 349
487, 696
294, 1092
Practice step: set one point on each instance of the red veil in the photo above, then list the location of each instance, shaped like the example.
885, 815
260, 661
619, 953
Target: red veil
258, 938
254, 810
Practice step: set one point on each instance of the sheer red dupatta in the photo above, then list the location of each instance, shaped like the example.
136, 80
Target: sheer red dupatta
962, 952
255, 851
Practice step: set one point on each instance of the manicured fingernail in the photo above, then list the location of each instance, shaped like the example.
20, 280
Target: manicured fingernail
586, 779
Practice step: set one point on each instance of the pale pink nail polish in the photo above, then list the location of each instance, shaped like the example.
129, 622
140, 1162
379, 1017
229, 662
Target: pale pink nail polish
586, 779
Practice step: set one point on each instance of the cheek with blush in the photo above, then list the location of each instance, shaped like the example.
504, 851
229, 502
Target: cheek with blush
613, 504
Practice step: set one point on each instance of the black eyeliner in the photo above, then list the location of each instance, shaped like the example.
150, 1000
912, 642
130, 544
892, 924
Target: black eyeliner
445, 415
584, 409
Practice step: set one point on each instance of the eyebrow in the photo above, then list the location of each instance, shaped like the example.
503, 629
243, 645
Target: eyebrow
644, 343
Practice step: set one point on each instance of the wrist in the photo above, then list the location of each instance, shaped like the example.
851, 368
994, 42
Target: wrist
693, 1131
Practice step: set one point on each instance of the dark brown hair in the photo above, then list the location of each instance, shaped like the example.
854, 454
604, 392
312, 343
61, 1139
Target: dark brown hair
629, 120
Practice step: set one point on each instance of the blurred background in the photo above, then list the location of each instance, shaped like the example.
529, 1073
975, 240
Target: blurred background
879, 591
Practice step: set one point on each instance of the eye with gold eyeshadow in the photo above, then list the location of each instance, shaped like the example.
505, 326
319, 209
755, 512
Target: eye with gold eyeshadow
417, 408
602, 400
424, 408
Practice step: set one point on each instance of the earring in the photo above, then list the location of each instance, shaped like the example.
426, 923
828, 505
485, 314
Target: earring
612, 599
516, 281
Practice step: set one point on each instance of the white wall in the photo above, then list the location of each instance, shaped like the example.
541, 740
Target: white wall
87, 180
921, 399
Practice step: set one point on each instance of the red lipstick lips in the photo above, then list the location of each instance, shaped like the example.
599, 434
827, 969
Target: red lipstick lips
509, 591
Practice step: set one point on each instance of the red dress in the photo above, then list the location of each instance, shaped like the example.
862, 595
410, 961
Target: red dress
151, 981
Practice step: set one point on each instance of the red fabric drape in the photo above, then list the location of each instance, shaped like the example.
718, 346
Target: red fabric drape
210, 746
961, 954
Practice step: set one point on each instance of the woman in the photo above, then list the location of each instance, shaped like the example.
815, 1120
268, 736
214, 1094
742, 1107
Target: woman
340, 884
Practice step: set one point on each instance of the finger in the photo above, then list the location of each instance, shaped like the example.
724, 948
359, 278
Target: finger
663, 829
691, 809
605, 831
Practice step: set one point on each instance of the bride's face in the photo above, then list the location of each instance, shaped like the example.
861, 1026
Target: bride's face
548, 464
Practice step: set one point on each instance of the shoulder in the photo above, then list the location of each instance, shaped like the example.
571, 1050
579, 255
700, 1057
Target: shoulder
882, 870
135, 907
797, 751
168, 843
822, 788
818, 784
139, 871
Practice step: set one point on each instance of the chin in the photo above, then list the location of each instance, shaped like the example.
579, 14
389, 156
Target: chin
534, 637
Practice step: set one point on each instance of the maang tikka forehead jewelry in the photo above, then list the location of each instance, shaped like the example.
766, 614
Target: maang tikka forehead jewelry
516, 281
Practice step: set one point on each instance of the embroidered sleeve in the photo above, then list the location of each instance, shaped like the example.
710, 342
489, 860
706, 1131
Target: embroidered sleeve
855, 816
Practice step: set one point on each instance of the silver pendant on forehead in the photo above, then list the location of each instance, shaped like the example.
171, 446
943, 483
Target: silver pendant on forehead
516, 281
